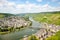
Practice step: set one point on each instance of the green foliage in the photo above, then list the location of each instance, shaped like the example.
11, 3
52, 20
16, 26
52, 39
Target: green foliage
2, 33
33, 37
2, 15
55, 37
48, 17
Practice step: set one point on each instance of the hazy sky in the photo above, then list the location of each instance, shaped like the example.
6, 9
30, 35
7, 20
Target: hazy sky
29, 6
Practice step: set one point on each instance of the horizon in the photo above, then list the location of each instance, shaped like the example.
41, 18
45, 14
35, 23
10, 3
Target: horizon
29, 6
29, 13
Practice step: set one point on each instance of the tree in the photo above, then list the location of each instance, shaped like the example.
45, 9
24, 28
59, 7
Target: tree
33, 37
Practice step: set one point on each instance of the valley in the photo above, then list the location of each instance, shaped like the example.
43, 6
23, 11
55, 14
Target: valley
30, 26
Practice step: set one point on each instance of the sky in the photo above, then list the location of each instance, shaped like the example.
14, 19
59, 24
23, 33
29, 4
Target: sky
29, 6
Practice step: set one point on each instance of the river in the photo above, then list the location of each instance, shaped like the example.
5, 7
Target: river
25, 32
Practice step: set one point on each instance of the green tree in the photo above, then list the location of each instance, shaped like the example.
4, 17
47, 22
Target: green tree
33, 37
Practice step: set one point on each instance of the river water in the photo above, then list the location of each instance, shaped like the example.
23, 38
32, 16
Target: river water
25, 32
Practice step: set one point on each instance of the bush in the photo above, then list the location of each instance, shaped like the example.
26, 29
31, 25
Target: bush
55, 37
33, 37
4, 30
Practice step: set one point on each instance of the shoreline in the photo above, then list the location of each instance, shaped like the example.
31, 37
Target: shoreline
44, 33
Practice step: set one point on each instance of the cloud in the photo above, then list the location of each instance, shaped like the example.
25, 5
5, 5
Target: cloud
27, 2
39, 0
12, 7
58, 2
54, 0
31, 8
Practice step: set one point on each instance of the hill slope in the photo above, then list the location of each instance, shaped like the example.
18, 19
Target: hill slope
5, 15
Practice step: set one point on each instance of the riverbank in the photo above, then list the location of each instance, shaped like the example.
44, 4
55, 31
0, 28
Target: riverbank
20, 34
54, 37
48, 31
50, 18
13, 23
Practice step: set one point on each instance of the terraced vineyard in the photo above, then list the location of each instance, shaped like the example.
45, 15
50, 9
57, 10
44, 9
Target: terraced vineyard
48, 25
48, 17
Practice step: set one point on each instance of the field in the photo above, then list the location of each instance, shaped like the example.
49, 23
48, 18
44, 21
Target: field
50, 18
2, 15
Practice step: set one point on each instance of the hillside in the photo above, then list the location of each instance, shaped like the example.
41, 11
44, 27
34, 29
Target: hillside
47, 17
5, 15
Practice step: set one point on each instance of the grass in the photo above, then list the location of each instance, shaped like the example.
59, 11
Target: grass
49, 18
32, 37
55, 37
2, 33
1, 16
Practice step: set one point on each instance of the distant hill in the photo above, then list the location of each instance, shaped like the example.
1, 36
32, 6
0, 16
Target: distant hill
27, 14
5, 15
21, 14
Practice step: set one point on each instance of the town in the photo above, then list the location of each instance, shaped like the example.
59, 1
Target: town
14, 22
47, 31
